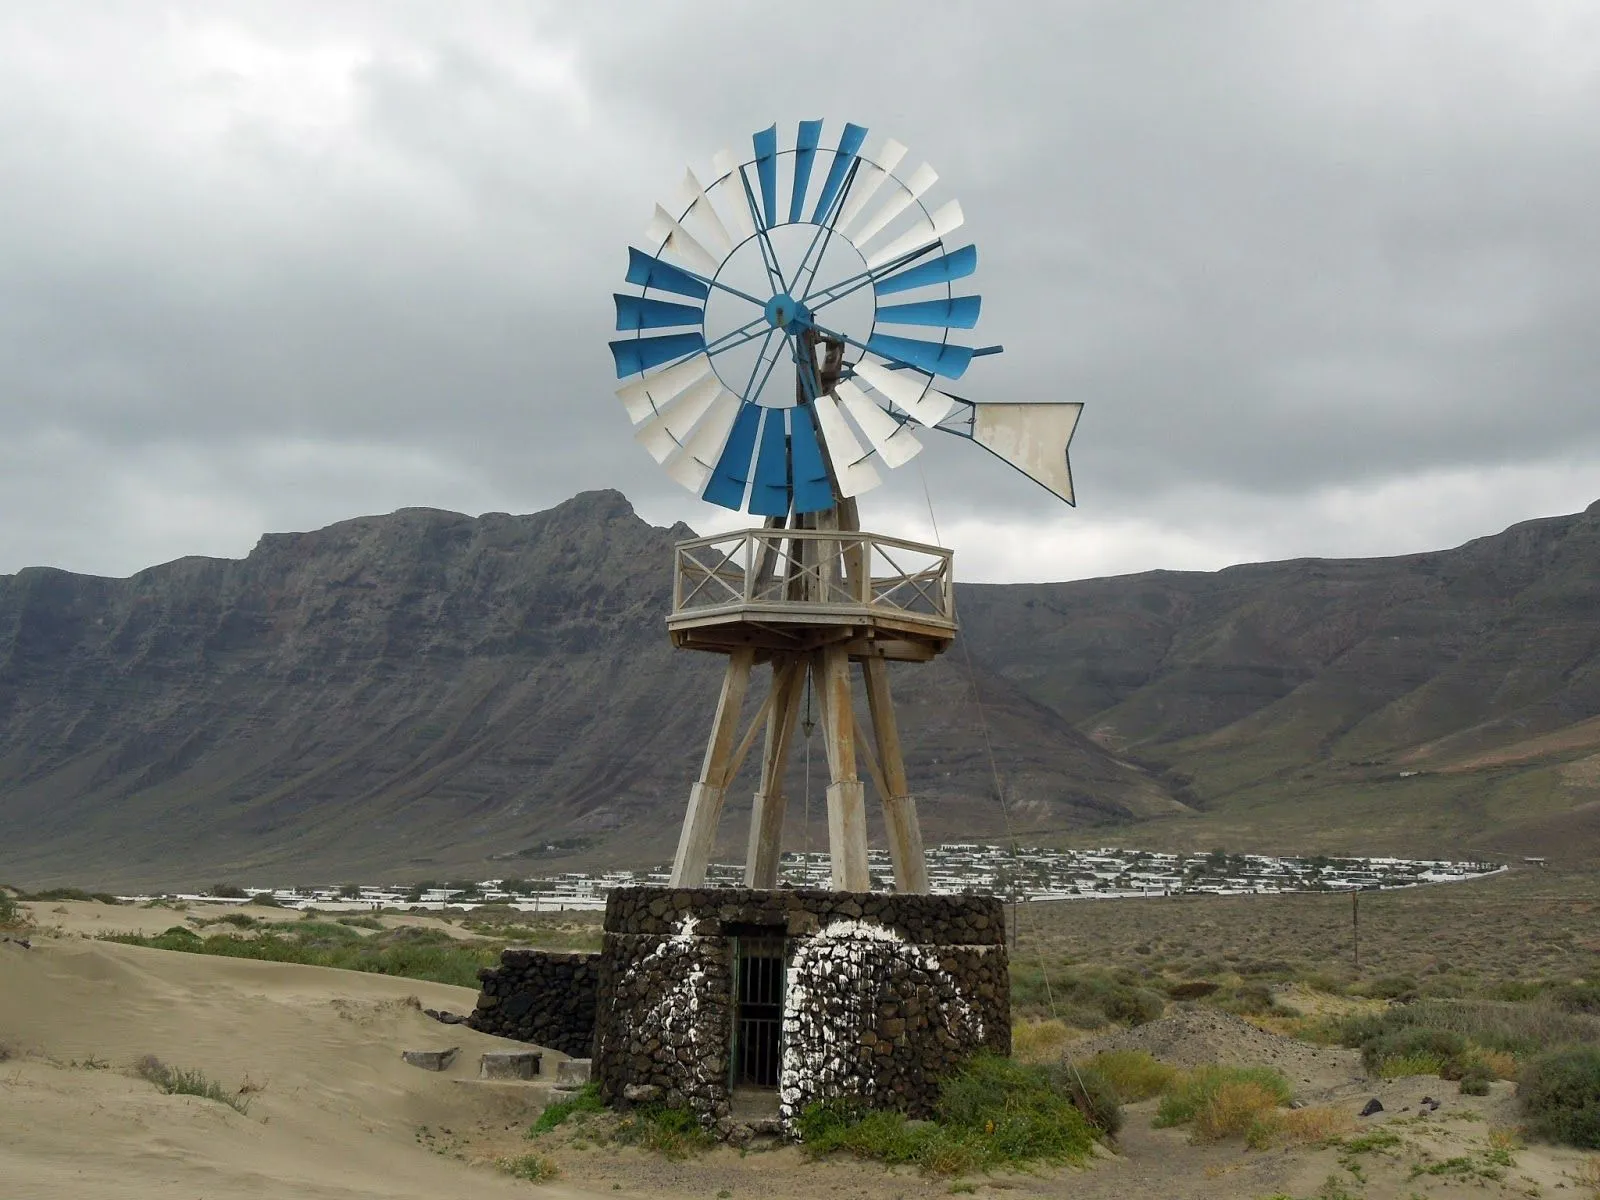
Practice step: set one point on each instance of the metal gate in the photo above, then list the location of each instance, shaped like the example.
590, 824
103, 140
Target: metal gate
758, 981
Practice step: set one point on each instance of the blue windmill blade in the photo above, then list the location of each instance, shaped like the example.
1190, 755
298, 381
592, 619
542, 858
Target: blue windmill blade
813, 489
935, 358
766, 145
955, 312
769, 493
805, 153
648, 271
732, 473
947, 268
634, 355
639, 312
843, 158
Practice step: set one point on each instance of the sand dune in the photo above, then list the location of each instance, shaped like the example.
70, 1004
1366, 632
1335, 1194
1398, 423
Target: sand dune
87, 918
337, 1115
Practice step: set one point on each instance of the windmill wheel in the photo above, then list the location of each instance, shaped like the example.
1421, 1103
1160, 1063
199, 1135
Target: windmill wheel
750, 272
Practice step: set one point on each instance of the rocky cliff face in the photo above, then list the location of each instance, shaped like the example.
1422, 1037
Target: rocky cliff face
418, 694
425, 693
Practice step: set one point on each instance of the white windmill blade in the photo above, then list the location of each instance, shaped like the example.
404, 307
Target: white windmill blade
894, 442
923, 178
850, 466
945, 222
730, 184
694, 203
646, 397
1033, 438
692, 465
909, 390
673, 238
869, 178
669, 428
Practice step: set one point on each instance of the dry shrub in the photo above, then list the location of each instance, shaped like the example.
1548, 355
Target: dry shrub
1587, 1175
1502, 1063
1506, 1137
1315, 1124
1039, 1041
1232, 1110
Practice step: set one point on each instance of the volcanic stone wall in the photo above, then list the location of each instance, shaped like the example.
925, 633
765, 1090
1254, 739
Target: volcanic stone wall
540, 997
884, 994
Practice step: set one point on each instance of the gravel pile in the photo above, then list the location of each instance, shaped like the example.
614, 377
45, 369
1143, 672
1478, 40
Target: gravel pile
1190, 1036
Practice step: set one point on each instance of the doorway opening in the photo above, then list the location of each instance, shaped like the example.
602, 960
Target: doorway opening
758, 983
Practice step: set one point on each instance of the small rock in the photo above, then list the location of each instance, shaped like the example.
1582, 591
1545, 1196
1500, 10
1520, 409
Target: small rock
641, 1093
1373, 1106
431, 1060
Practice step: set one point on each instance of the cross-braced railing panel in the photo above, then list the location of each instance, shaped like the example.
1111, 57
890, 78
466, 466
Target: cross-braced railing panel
788, 570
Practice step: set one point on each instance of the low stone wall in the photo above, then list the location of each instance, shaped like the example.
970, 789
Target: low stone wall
541, 997
883, 995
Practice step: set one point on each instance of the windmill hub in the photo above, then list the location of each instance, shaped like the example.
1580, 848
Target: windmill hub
788, 314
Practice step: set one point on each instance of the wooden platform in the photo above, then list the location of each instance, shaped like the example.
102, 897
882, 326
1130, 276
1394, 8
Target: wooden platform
788, 591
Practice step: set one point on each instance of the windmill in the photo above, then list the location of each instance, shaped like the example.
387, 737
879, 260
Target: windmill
830, 265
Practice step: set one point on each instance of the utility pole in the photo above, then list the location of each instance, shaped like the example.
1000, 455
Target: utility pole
1355, 926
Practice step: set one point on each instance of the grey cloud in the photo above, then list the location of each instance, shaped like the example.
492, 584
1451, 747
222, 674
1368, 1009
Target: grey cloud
1281, 251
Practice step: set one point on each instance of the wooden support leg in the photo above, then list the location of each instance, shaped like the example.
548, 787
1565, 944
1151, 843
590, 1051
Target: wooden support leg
847, 812
705, 798
899, 809
766, 815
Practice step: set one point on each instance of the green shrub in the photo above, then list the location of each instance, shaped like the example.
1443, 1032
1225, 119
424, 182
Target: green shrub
1475, 1080
10, 911
1191, 989
1392, 987
1092, 1095
1191, 1091
587, 1100
1577, 997
995, 1112
265, 900
1433, 1049
410, 952
673, 1133
1515, 1028
1135, 1005
1560, 1095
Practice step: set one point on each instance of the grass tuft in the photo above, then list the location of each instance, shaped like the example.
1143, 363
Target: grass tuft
535, 1168
176, 1082
559, 1113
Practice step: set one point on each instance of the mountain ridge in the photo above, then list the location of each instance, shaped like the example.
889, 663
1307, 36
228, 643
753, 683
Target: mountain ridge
425, 692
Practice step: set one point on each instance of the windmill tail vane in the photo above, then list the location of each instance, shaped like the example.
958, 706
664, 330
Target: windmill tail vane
781, 254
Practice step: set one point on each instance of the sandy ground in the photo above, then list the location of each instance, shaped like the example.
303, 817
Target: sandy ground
334, 1114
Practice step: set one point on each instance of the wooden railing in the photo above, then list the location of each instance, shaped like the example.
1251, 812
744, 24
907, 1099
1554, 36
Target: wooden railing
807, 573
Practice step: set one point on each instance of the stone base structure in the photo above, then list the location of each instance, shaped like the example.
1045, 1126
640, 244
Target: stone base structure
540, 997
807, 995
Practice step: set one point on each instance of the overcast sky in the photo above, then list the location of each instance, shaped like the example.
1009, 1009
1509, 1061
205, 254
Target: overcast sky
1327, 276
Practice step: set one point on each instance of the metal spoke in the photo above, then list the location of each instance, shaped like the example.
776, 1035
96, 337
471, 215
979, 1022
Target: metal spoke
854, 283
748, 332
824, 231
760, 358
